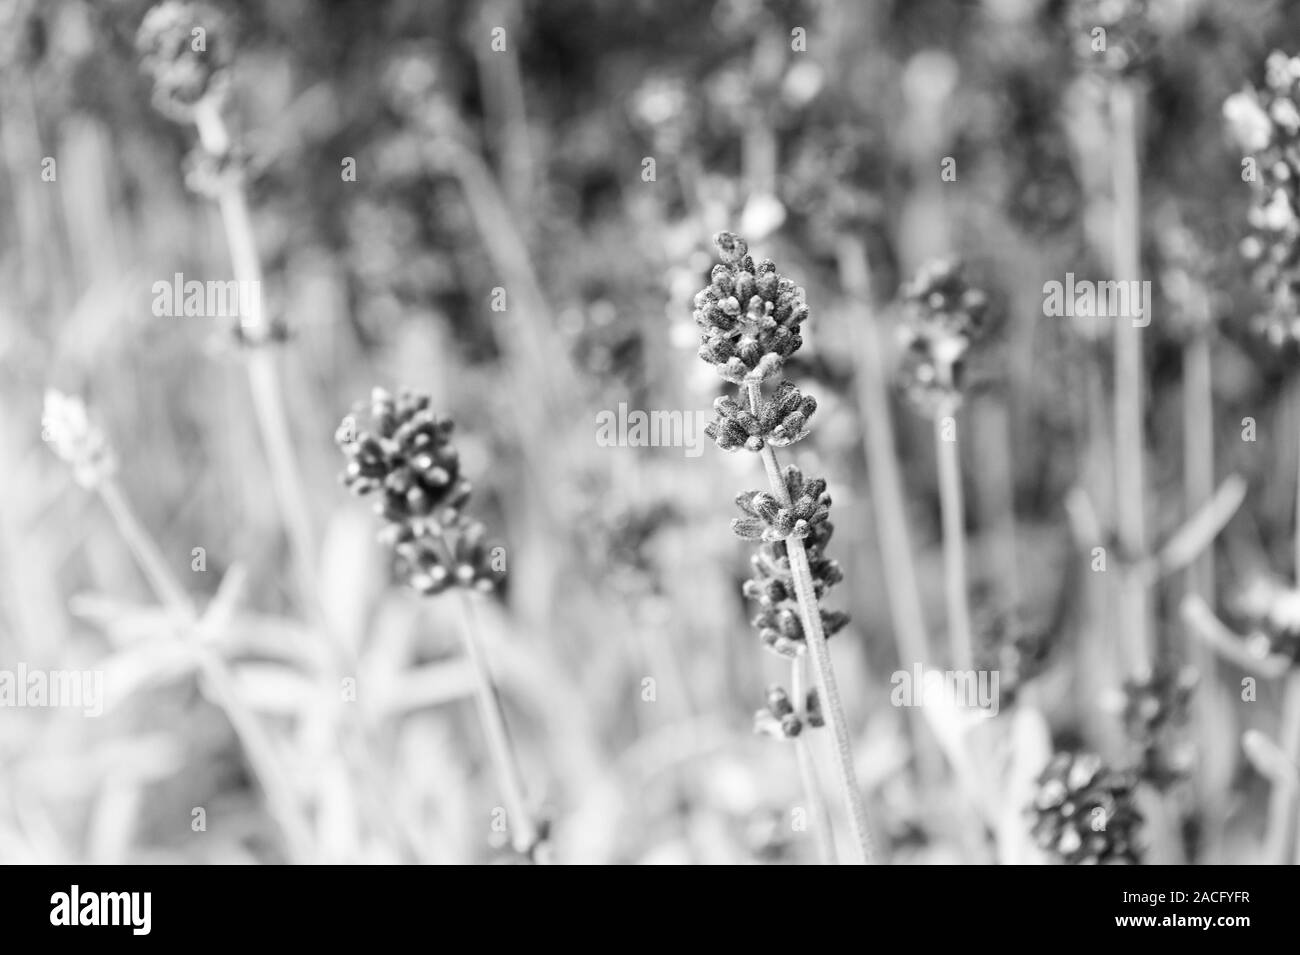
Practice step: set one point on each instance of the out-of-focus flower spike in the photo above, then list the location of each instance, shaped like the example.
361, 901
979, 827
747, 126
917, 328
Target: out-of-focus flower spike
67, 428
185, 48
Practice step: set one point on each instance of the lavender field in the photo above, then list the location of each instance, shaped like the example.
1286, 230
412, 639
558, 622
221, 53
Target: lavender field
823, 432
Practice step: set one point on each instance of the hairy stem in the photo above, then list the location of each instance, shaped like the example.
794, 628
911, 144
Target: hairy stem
819, 818
834, 709
524, 832
953, 513
815, 637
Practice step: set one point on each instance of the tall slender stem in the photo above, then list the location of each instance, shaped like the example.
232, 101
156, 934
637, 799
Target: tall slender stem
890, 509
524, 832
501, 80
1198, 454
889, 506
819, 816
1295, 423
1209, 711
1099, 660
835, 717
953, 514
1284, 802
264, 381
815, 637
1130, 481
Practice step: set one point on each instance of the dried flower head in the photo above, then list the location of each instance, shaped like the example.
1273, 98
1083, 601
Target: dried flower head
750, 319
1272, 612
781, 420
778, 623
1266, 125
813, 710
24, 38
1113, 36
780, 627
1014, 647
767, 519
67, 428
942, 315
1156, 712
183, 47
1187, 280
432, 558
1086, 813
834, 178
404, 455
749, 315
777, 717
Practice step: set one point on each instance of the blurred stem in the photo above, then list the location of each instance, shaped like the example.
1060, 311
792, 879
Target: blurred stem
1198, 461
41, 245
819, 816
529, 340
898, 562
954, 540
889, 506
503, 99
146, 552
1296, 543
1284, 798
1099, 657
264, 381
538, 364
659, 654
1284, 801
815, 637
995, 483
816, 640
758, 147
215, 681
1280, 839
263, 760
1130, 483
1210, 714
524, 833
